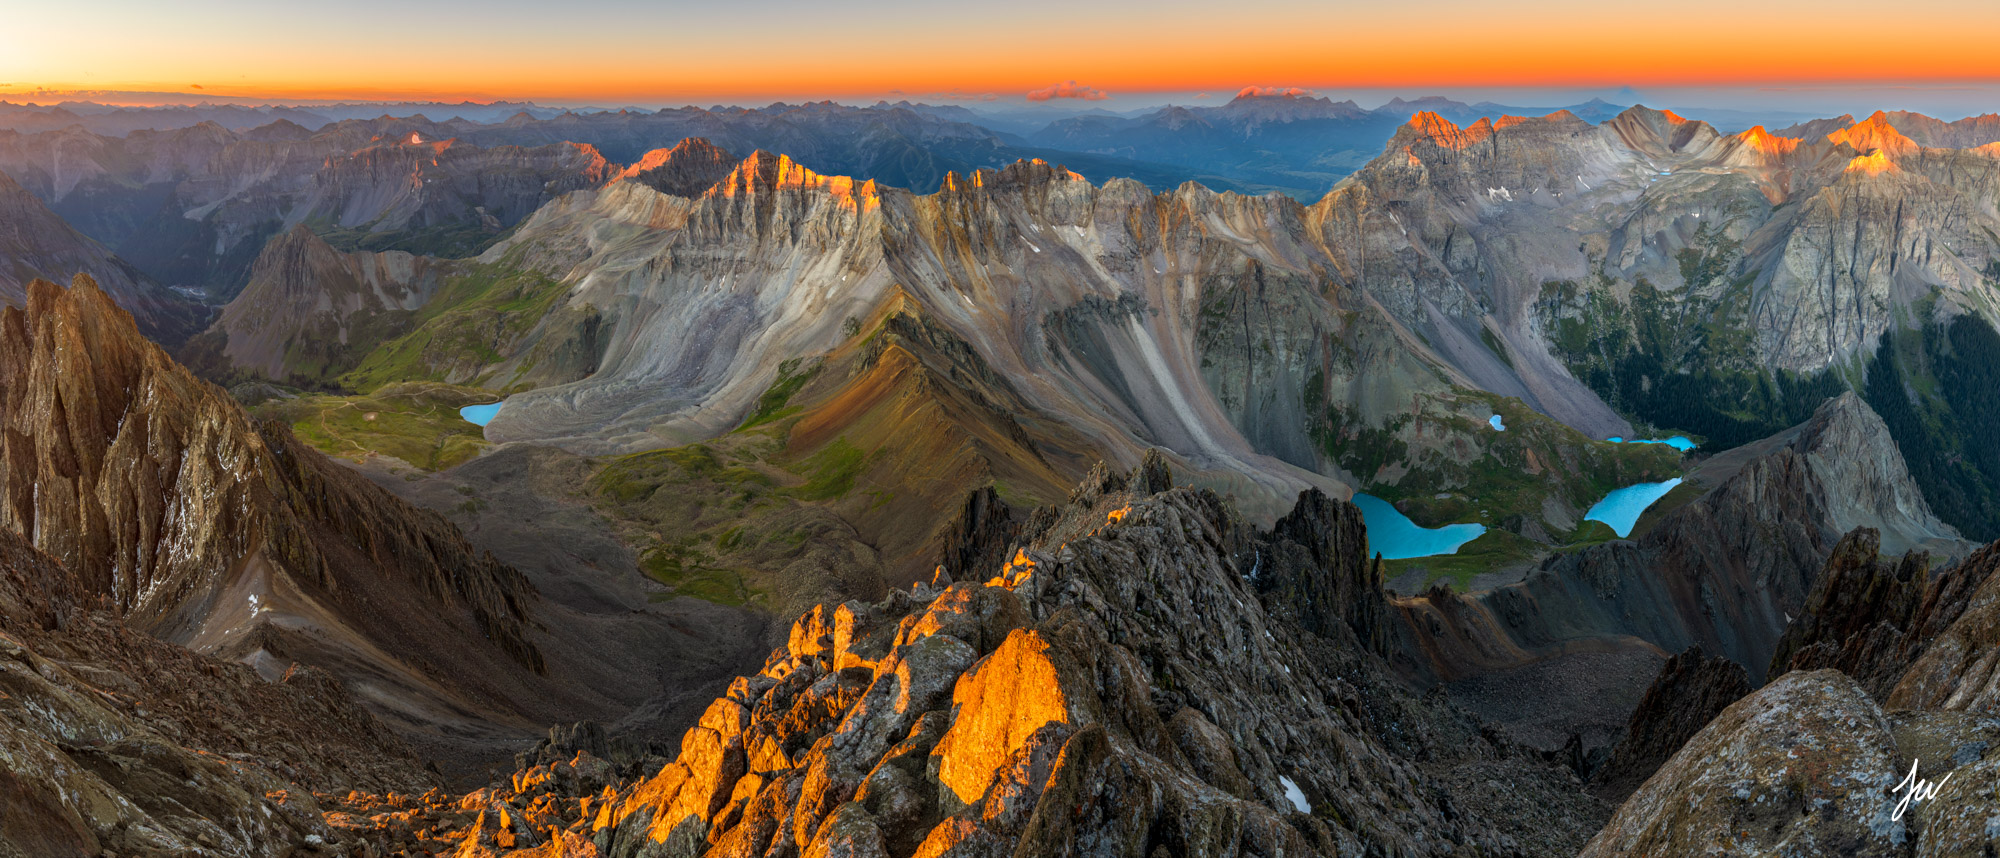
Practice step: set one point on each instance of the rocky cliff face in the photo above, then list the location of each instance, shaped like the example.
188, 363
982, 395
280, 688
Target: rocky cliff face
113, 741
1863, 618
203, 528
1691, 690
1118, 686
1817, 761
310, 312
1493, 210
1955, 670
1810, 766
1872, 242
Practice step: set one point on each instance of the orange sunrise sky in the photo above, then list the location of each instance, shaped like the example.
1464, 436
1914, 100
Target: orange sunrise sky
619, 51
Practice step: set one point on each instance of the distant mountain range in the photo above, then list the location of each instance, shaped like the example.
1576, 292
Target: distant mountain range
119, 121
192, 206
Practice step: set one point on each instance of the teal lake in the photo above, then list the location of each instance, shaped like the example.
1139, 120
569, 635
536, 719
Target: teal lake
1622, 507
1678, 442
1396, 537
480, 415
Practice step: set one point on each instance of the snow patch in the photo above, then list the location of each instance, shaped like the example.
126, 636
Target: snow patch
1297, 796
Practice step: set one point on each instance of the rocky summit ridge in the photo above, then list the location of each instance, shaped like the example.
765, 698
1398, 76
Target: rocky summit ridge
1131, 678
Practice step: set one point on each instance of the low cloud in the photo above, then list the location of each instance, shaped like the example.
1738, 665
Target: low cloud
194, 86
1275, 92
1068, 89
1203, 95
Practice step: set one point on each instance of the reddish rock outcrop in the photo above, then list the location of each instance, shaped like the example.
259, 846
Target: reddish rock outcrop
689, 169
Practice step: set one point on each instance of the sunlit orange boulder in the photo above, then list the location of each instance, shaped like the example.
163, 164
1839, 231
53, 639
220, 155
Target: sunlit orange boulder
1020, 688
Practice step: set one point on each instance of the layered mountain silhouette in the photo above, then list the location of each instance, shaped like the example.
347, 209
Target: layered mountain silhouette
191, 205
37, 243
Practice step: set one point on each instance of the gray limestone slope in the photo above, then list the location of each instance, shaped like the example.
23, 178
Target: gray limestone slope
1835, 238
1216, 325
1087, 299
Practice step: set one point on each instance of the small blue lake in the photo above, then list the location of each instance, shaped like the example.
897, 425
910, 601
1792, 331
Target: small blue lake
480, 415
1678, 442
1622, 507
1498, 426
1396, 537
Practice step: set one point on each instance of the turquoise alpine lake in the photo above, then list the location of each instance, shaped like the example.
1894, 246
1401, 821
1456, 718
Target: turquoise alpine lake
1394, 536
1622, 507
1678, 442
480, 415
1498, 426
